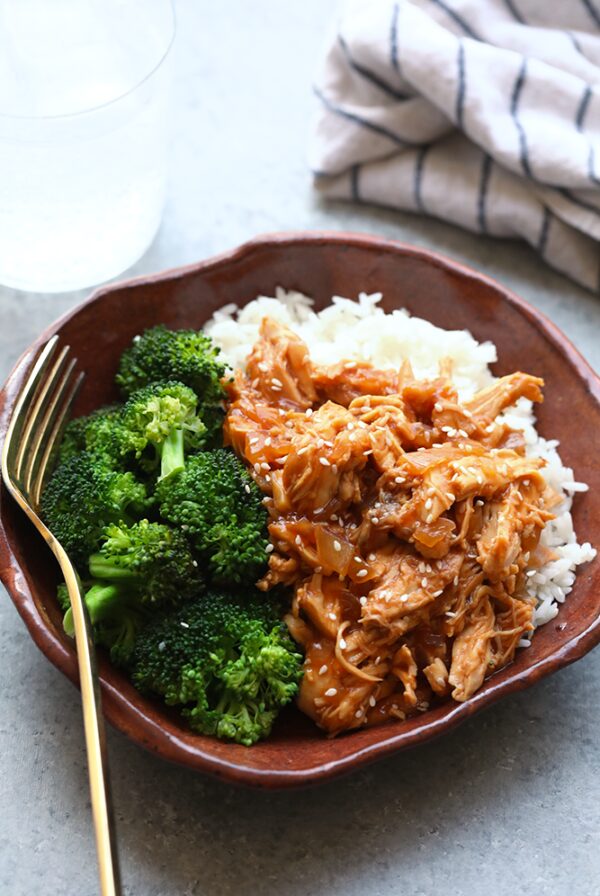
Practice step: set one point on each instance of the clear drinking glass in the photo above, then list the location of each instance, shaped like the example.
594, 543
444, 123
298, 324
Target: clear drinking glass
83, 137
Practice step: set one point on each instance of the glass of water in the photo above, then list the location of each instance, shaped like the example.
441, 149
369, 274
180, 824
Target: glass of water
83, 137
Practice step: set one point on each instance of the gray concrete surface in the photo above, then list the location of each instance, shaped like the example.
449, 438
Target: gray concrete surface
507, 804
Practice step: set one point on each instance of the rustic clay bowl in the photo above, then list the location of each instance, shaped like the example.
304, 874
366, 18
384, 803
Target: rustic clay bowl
320, 265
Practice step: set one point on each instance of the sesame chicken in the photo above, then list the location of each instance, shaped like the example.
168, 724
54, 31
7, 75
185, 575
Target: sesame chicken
403, 519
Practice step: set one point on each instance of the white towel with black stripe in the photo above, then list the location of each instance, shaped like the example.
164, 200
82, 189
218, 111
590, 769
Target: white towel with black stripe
485, 113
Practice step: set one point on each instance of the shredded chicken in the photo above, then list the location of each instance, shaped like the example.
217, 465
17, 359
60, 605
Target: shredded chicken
404, 521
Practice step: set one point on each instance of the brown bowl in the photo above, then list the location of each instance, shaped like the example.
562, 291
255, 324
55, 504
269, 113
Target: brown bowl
321, 265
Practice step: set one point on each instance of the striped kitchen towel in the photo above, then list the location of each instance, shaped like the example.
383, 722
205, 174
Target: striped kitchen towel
485, 113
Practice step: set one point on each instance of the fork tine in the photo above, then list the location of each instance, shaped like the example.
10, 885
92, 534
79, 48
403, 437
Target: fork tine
57, 418
41, 413
22, 408
38, 403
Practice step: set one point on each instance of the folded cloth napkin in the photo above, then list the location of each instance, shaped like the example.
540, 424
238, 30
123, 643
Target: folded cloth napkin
485, 113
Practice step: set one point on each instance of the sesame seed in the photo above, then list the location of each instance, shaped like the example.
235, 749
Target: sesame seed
455, 580
423, 582
350, 365
531, 572
302, 450
350, 426
334, 468
374, 520
352, 437
269, 548
262, 366
162, 646
328, 443
331, 692
253, 440
450, 496
265, 466
428, 504
247, 489
267, 478
377, 660
298, 540
276, 382
526, 482
334, 517
362, 601
337, 546
309, 412
320, 569
257, 467
358, 713
184, 624
404, 598
268, 441
320, 443
358, 559
437, 593
372, 557
372, 700
332, 616
343, 644
324, 462
323, 669
361, 573
399, 479
438, 406
276, 388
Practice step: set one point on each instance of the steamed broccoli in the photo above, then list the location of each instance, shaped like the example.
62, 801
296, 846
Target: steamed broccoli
99, 433
227, 659
115, 614
188, 356
216, 501
160, 422
151, 559
82, 497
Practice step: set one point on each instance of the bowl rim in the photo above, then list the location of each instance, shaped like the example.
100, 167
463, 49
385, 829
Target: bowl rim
118, 708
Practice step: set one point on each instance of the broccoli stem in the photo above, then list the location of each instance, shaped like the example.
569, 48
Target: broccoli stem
172, 456
98, 600
101, 568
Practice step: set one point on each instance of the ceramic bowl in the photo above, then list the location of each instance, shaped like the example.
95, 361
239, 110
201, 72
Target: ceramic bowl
321, 265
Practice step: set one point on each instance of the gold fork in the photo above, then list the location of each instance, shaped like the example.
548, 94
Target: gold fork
35, 429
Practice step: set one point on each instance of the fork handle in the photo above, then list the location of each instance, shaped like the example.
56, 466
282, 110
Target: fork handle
95, 738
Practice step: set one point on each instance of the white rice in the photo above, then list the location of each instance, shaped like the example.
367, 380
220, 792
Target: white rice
361, 331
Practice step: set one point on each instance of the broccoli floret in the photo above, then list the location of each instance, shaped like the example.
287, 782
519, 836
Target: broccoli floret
82, 497
227, 659
99, 433
161, 423
218, 504
188, 356
151, 558
115, 614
